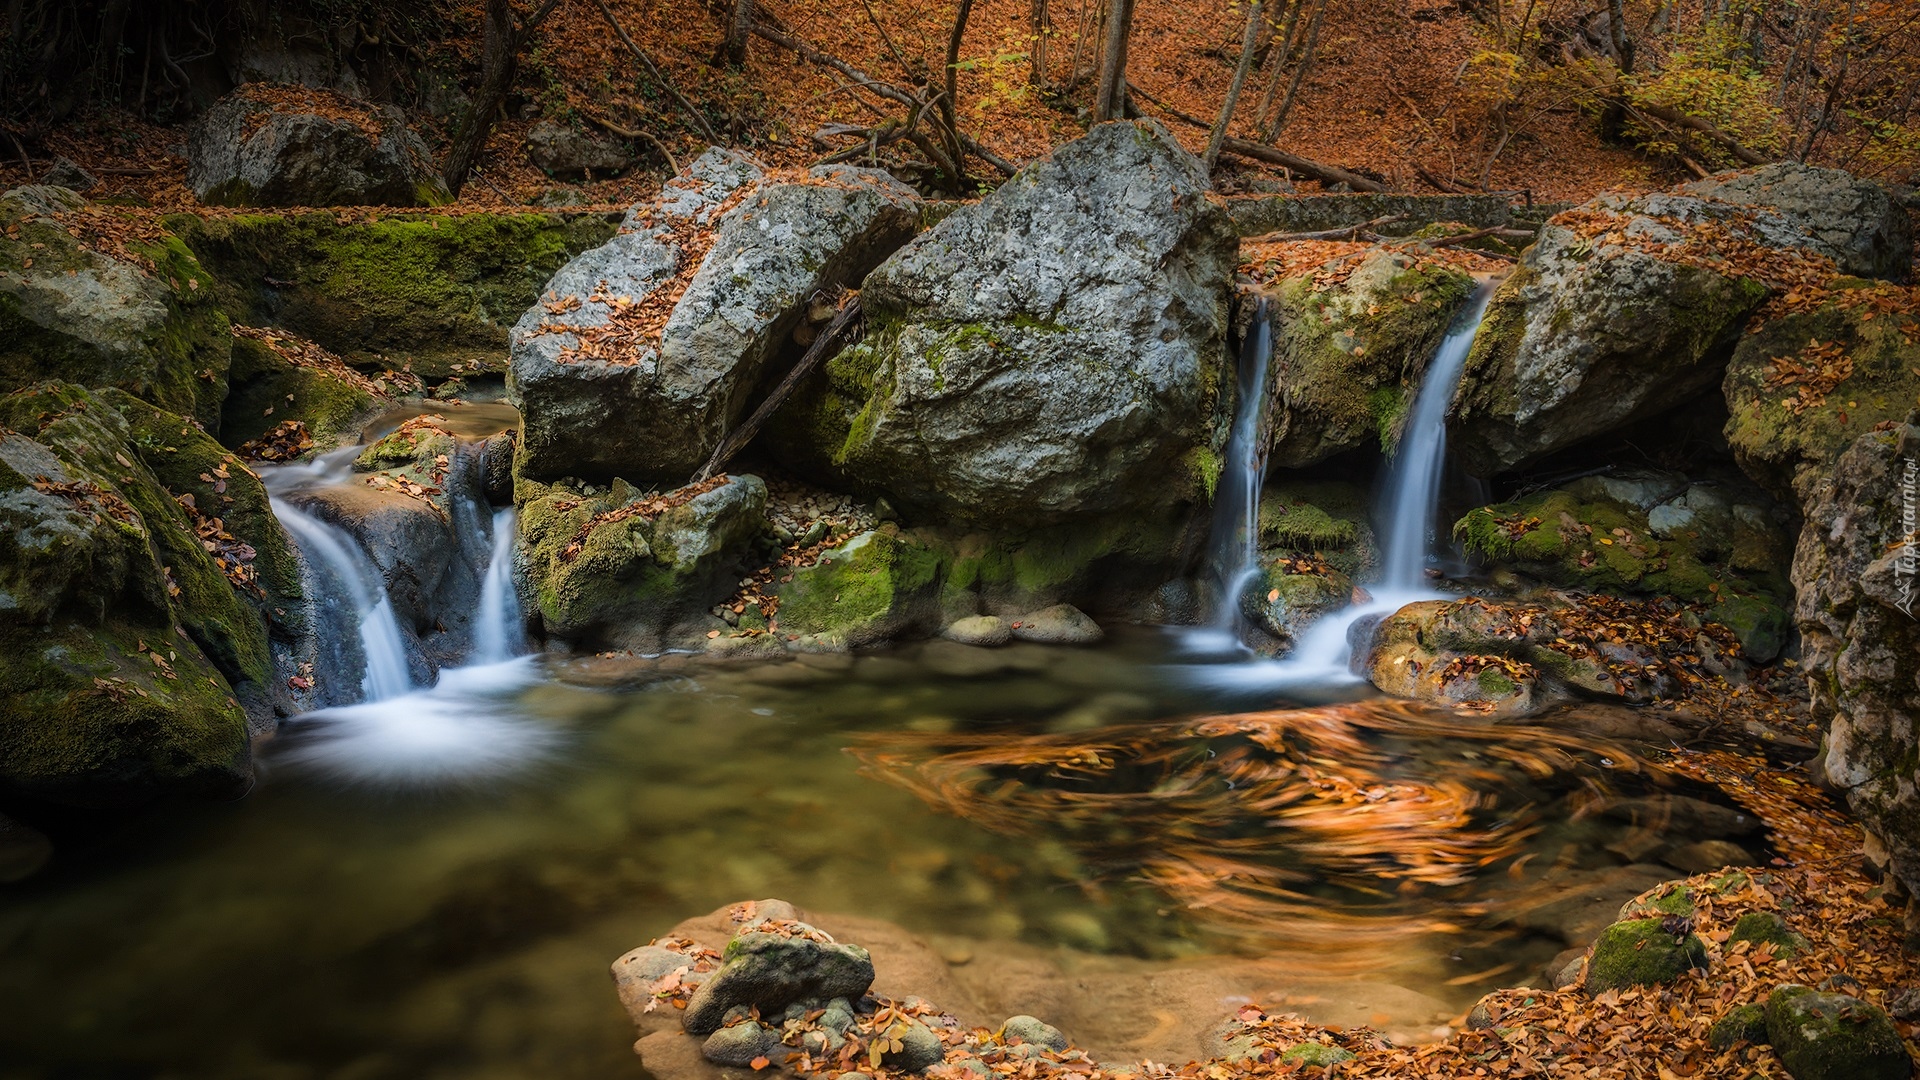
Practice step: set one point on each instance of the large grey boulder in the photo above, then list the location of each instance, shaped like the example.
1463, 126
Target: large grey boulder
1854, 221
644, 352
571, 154
1856, 581
1627, 306
280, 146
70, 312
1054, 350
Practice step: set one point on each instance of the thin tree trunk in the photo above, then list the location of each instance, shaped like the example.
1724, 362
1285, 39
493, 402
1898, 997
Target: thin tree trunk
1279, 121
1617, 28
949, 101
500, 44
1037, 56
738, 31
1111, 102
1279, 75
821, 349
1248, 40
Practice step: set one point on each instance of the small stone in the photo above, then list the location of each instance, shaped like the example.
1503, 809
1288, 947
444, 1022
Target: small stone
1821, 1036
1743, 1023
1314, 1054
740, 1044
1904, 1004
1642, 952
1480, 1017
68, 175
1061, 624
1033, 1031
988, 631
919, 1048
838, 1016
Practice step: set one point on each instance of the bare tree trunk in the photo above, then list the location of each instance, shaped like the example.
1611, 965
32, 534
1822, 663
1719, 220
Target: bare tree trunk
1037, 56
1617, 27
738, 31
1248, 39
1111, 101
106, 55
1285, 37
499, 52
1312, 47
949, 101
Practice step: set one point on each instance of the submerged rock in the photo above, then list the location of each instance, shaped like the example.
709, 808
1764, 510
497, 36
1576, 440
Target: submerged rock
1061, 624
24, 851
1822, 1036
286, 146
1053, 352
671, 325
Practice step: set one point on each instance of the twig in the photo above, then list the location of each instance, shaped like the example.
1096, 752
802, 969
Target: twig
483, 179
1343, 233
659, 76
1500, 231
739, 437
635, 133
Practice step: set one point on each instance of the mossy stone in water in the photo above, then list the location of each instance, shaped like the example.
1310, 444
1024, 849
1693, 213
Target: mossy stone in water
1314, 1054
1641, 952
1822, 1036
1766, 927
1743, 1023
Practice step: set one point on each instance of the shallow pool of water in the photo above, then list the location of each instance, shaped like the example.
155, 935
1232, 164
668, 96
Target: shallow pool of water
434, 887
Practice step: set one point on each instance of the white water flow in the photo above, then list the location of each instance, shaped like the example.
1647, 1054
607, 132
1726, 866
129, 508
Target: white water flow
497, 636
1320, 658
1235, 540
381, 642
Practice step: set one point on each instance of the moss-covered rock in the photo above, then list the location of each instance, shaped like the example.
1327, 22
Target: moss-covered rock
1348, 359
139, 565
1787, 435
272, 381
630, 569
1643, 952
875, 587
1768, 928
1318, 1055
1741, 1024
1823, 1036
69, 312
434, 292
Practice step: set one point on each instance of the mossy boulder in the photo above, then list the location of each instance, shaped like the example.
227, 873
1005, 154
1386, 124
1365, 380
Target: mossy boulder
142, 565
69, 312
1582, 539
1865, 363
1470, 652
1053, 353
626, 568
875, 587
434, 293
1348, 358
769, 968
1316, 1055
273, 380
1824, 1036
1643, 952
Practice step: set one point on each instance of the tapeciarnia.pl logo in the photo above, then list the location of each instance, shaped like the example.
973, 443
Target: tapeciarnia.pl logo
1907, 564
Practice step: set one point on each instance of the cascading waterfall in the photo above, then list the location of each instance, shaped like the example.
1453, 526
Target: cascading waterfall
382, 645
497, 635
1320, 658
1235, 539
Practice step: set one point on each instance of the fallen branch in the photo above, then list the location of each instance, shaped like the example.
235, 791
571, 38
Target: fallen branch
822, 347
1346, 232
634, 133
658, 75
1312, 170
1704, 127
1499, 231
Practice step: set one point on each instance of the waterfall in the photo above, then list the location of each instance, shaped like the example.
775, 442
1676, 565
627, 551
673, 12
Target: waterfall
1412, 494
1320, 658
1233, 550
497, 636
337, 555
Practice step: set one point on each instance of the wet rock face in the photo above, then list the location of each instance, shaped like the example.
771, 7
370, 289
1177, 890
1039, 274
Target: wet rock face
1619, 311
618, 378
1856, 582
1054, 351
251, 151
